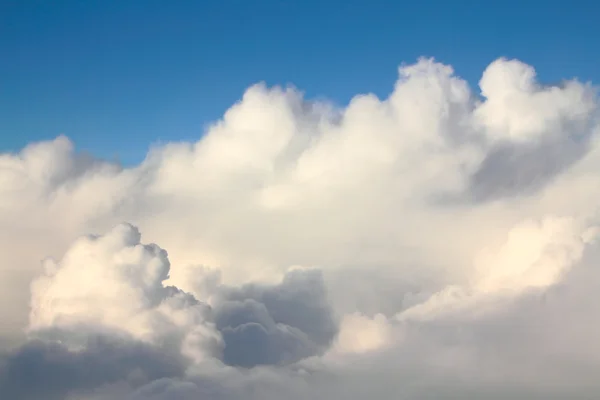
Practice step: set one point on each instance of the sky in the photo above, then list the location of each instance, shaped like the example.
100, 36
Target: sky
151, 71
226, 201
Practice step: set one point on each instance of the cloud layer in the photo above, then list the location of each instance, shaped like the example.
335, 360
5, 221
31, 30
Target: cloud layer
439, 243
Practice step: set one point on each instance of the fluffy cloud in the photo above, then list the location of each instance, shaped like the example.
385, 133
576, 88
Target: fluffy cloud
434, 243
115, 283
276, 324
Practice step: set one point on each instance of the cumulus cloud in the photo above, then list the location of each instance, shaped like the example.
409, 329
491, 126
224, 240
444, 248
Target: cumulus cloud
435, 243
115, 283
276, 324
49, 370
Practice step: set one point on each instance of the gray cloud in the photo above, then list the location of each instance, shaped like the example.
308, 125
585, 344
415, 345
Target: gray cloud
276, 324
521, 169
50, 371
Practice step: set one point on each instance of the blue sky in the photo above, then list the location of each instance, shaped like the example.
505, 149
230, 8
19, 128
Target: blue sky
116, 76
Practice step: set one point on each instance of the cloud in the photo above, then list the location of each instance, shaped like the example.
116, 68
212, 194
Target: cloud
50, 371
438, 242
360, 334
115, 283
276, 324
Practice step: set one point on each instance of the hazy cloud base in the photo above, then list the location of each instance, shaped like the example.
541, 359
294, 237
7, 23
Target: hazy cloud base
434, 244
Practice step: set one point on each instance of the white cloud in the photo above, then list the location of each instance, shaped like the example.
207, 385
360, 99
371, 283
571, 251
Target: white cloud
115, 283
425, 243
518, 108
360, 334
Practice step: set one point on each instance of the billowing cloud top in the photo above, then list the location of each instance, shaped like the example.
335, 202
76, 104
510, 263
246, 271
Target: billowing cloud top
434, 244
